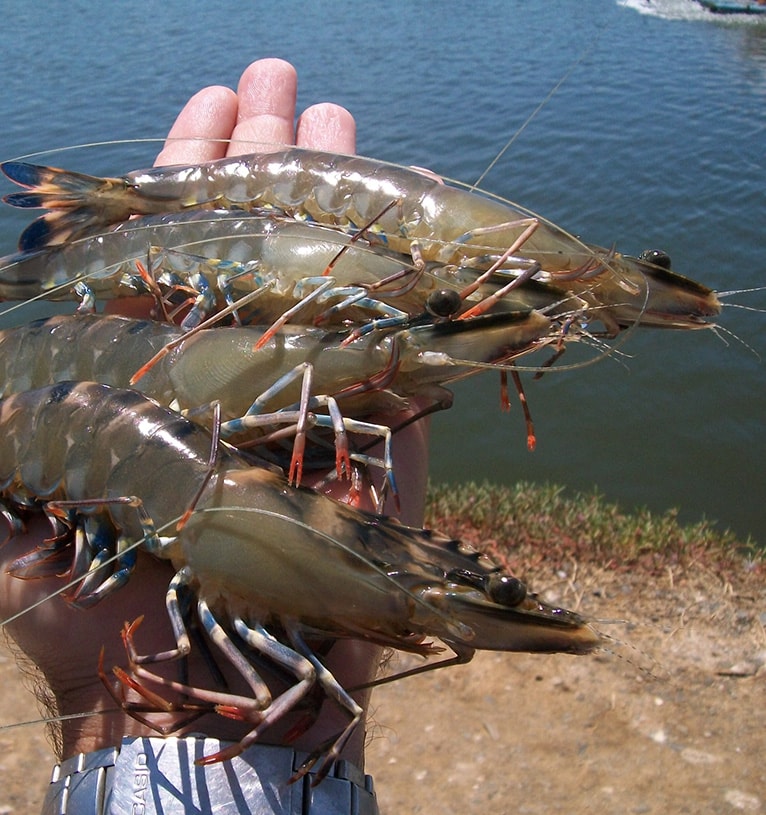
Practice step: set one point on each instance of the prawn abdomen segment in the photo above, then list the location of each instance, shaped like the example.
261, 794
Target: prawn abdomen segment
82, 441
83, 347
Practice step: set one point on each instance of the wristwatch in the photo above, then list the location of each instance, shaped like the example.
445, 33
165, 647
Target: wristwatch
158, 776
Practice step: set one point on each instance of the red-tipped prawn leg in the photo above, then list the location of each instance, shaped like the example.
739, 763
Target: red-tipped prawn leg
254, 417
529, 267
307, 416
138, 674
258, 638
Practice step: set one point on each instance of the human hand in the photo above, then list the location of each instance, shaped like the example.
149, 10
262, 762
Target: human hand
217, 122
65, 642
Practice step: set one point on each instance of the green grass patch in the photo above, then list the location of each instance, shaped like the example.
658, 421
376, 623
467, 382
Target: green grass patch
527, 524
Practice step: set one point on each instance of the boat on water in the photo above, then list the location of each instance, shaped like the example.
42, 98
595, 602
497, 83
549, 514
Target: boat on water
723, 7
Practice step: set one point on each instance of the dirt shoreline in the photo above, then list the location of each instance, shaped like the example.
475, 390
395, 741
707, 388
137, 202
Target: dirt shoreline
672, 721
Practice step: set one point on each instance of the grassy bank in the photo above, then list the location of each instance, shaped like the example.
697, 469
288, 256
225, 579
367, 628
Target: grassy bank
527, 524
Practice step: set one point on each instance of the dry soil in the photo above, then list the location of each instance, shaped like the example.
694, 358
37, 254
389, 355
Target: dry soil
672, 720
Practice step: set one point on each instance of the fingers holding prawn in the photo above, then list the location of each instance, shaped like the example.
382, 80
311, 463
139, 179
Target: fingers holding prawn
266, 106
260, 113
267, 92
327, 127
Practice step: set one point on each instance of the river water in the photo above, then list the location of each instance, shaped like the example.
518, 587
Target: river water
650, 135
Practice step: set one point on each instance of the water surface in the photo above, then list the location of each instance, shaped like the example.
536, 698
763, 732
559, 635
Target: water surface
655, 138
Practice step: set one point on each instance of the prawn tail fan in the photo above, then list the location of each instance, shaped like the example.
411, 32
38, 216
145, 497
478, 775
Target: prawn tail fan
77, 203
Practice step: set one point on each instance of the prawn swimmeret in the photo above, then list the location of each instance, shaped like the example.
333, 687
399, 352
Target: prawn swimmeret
259, 555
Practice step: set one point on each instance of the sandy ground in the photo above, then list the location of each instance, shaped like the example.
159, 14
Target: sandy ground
673, 721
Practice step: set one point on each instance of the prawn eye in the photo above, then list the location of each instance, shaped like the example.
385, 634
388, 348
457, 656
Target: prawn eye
506, 590
443, 303
656, 257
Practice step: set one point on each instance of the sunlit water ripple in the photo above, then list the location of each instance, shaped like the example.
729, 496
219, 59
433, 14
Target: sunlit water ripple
655, 139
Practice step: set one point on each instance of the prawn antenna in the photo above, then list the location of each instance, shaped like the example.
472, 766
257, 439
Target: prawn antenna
551, 93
